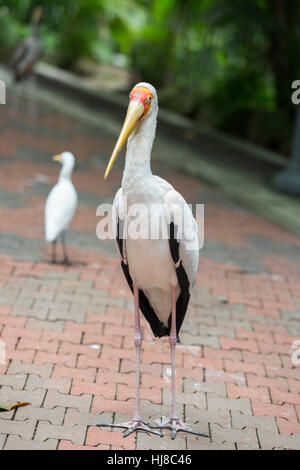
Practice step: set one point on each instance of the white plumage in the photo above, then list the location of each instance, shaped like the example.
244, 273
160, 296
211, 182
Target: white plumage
150, 262
61, 202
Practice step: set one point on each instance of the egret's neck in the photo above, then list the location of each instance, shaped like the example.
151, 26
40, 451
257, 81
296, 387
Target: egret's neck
139, 146
65, 174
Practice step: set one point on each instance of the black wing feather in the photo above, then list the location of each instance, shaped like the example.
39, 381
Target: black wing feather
183, 281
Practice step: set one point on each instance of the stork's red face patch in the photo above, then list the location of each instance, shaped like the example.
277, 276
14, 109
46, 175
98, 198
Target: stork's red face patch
143, 95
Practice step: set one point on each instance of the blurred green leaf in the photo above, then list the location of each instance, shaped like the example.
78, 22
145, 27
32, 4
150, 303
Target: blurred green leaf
223, 62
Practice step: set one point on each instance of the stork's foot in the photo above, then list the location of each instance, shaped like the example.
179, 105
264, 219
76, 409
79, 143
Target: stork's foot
176, 425
132, 426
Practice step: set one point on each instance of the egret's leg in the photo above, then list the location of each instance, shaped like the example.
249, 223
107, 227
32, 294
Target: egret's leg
136, 424
64, 247
53, 259
174, 422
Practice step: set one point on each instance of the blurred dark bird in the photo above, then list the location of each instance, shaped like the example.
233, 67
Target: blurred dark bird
29, 51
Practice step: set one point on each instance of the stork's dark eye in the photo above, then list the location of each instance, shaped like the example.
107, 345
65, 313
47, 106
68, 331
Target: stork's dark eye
149, 99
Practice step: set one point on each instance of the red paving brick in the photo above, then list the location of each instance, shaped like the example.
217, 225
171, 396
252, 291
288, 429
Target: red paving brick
69, 331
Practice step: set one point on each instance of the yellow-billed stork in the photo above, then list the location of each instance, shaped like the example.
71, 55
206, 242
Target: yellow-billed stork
160, 270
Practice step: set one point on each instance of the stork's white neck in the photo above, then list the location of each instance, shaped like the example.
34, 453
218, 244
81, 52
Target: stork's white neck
139, 146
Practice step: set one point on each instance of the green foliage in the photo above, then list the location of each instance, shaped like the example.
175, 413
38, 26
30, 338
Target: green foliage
228, 63
72, 30
224, 62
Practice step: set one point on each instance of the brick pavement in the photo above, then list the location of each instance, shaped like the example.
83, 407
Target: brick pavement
69, 331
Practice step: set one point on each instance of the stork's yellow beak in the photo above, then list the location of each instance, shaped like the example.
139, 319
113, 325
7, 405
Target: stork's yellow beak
134, 112
56, 158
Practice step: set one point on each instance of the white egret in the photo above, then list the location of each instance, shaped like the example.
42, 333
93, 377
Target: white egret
60, 205
161, 269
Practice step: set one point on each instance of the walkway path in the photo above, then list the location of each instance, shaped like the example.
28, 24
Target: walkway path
69, 331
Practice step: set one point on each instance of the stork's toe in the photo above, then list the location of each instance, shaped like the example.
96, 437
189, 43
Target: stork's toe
175, 425
132, 426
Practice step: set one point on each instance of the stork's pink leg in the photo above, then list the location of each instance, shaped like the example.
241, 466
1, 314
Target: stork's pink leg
173, 342
174, 423
136, 423
138, 345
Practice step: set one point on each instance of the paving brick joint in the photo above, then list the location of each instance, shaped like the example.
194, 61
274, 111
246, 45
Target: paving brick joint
68, 331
